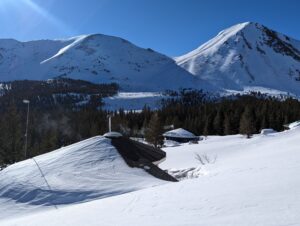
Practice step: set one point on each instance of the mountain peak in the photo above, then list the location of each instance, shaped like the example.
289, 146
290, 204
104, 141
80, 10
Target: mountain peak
235, 28
247, 55
96, 58
245, 26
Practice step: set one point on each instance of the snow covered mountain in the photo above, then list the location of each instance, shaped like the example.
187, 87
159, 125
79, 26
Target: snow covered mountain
247, 56
96, 58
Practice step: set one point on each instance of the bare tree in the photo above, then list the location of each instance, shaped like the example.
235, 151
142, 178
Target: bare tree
204, 159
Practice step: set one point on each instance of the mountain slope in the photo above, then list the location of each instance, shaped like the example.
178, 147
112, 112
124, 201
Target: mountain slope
87, 170
246, 56
96, 58
60, 92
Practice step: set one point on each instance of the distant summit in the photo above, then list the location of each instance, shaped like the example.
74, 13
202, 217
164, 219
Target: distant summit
247, 56
95, 58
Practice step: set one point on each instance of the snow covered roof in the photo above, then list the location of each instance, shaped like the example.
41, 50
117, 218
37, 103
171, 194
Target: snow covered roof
293, 125
267, 131
179, 133
83, 171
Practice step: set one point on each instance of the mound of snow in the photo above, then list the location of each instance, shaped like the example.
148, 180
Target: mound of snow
80, 172
171, 143
267, 131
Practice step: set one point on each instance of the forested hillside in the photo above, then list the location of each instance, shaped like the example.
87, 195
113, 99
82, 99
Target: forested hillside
56, 126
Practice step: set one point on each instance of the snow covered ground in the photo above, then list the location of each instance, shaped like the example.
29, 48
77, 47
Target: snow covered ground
133, 100
249, 182
267, 91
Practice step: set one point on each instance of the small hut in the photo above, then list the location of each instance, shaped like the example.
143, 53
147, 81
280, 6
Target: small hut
180, 135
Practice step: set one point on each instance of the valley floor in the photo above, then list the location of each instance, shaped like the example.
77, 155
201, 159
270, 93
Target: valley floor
247, 182
133, 101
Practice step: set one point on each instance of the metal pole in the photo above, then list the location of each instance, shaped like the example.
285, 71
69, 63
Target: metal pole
26, 133
109, 123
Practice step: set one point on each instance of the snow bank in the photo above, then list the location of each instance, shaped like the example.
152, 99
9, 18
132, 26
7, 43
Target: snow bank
267, 131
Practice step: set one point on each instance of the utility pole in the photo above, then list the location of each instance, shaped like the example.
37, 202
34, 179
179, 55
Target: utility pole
109, 123
26, 133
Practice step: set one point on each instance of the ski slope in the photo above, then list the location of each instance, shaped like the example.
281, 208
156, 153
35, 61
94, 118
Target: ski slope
251, 182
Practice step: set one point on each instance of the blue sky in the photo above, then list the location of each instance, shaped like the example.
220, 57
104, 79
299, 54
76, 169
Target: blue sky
173, 27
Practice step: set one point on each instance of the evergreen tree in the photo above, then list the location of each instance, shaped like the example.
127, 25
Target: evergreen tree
228, 125
247, 123
218, 123
154, 131
50, 143
11, 139
208, 127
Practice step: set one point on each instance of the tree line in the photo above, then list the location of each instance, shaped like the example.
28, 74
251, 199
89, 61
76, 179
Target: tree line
52, 128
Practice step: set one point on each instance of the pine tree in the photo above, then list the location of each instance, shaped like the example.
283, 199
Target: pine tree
218, 123
228, 125
11, 139
208, 127
50, 143
153, 133
247, 123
